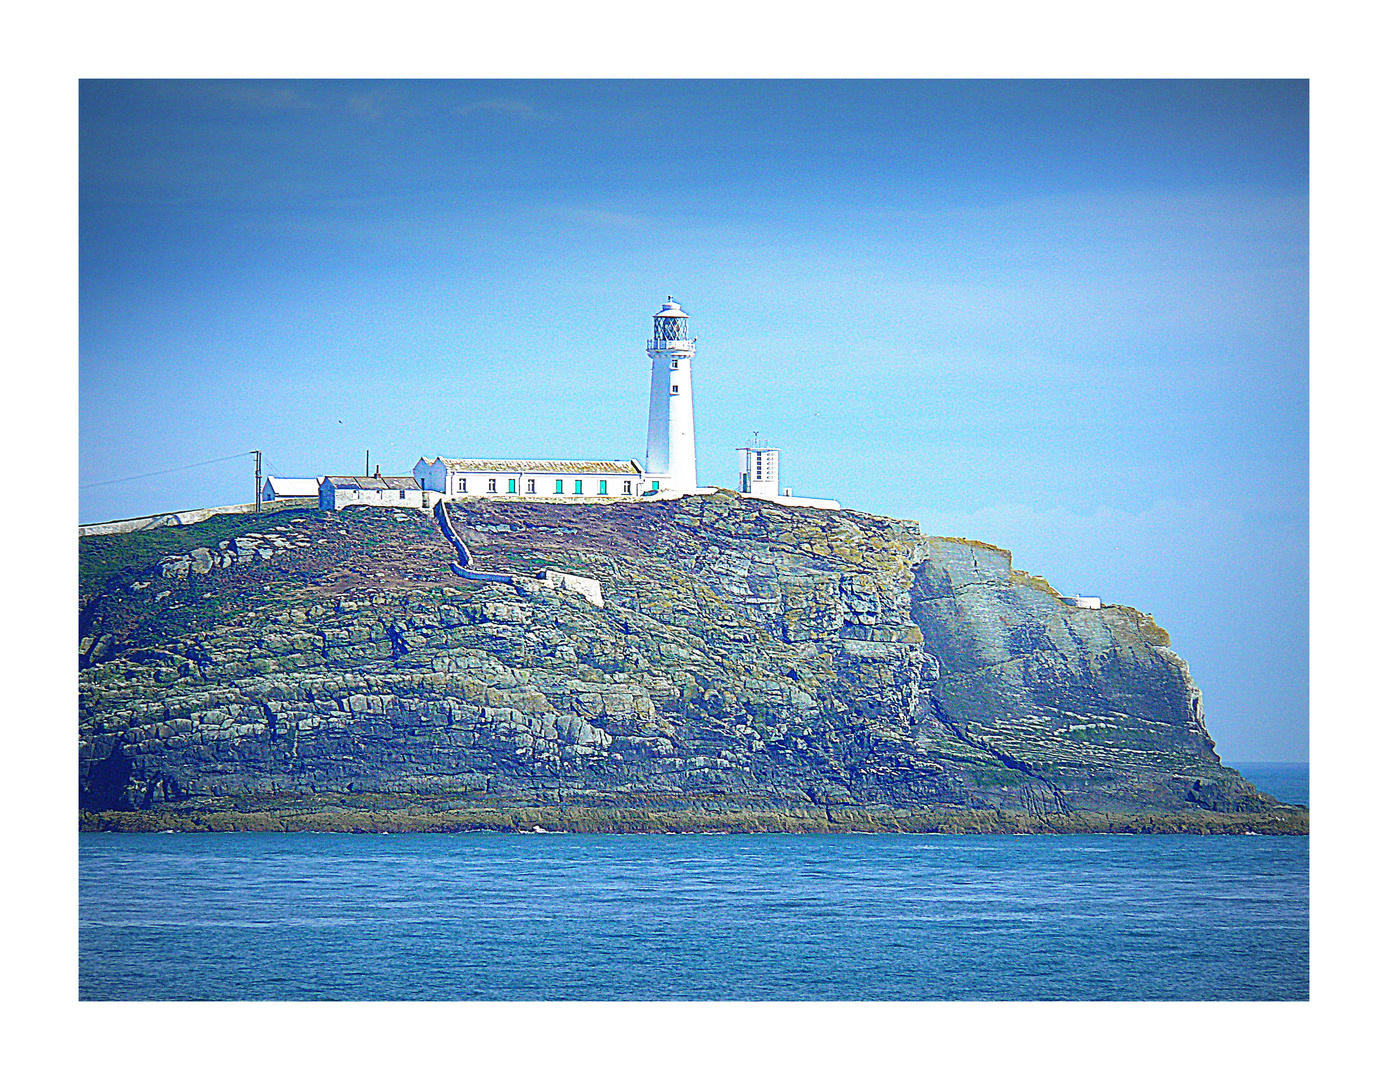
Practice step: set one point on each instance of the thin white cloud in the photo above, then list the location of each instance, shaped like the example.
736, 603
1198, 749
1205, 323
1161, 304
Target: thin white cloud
596, 215
263, 95
500, 107
370, 107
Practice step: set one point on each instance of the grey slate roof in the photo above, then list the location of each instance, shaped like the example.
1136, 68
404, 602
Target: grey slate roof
374, 483
518, 466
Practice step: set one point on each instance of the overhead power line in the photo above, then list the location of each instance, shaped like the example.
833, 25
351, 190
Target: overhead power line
165, 472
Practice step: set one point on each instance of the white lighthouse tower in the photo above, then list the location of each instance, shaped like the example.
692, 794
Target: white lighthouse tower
670, 432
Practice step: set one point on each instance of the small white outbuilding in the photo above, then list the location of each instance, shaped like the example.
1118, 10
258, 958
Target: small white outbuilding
759, 475
397, 491
290, 487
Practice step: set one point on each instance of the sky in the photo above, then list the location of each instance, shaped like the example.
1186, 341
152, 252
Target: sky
1069, 318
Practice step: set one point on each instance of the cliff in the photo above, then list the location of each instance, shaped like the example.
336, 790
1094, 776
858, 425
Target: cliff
751, 667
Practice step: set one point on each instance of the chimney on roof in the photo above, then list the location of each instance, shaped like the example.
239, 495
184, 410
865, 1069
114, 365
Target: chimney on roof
378, 472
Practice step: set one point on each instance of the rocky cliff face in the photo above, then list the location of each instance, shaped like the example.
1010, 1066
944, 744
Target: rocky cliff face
753, 666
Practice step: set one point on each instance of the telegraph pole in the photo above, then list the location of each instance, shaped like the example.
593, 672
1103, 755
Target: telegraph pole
257, 480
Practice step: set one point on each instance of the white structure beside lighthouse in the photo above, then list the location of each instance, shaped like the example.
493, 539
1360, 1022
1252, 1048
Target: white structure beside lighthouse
670, 464
758, 470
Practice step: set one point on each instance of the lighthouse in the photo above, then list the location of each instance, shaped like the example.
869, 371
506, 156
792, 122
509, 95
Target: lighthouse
670, 432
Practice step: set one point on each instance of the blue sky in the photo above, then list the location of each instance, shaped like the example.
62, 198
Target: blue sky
1069, 318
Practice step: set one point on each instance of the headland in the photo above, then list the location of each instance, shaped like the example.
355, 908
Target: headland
743, 666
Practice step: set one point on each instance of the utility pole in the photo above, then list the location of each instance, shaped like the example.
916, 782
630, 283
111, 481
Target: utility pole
257, 480
368, 463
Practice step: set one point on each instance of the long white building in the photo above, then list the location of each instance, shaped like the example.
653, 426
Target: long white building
461, 477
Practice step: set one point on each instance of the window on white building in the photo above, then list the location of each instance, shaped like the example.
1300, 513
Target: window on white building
626, 487
675, 364
530, 487
559, 487
462, 485
674, 388
491, 487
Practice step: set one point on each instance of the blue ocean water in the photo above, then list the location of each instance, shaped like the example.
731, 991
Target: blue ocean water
507, 916
1289, 781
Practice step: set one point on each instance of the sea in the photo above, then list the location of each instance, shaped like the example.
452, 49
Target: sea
554, 916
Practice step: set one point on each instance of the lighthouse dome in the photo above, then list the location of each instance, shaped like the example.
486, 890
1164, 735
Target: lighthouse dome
671, 310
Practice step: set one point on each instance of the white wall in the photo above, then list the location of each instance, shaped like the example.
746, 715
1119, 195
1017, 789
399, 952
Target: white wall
178, 517
478, 484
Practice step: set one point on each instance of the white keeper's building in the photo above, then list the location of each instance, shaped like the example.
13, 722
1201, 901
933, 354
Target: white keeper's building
457, 477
